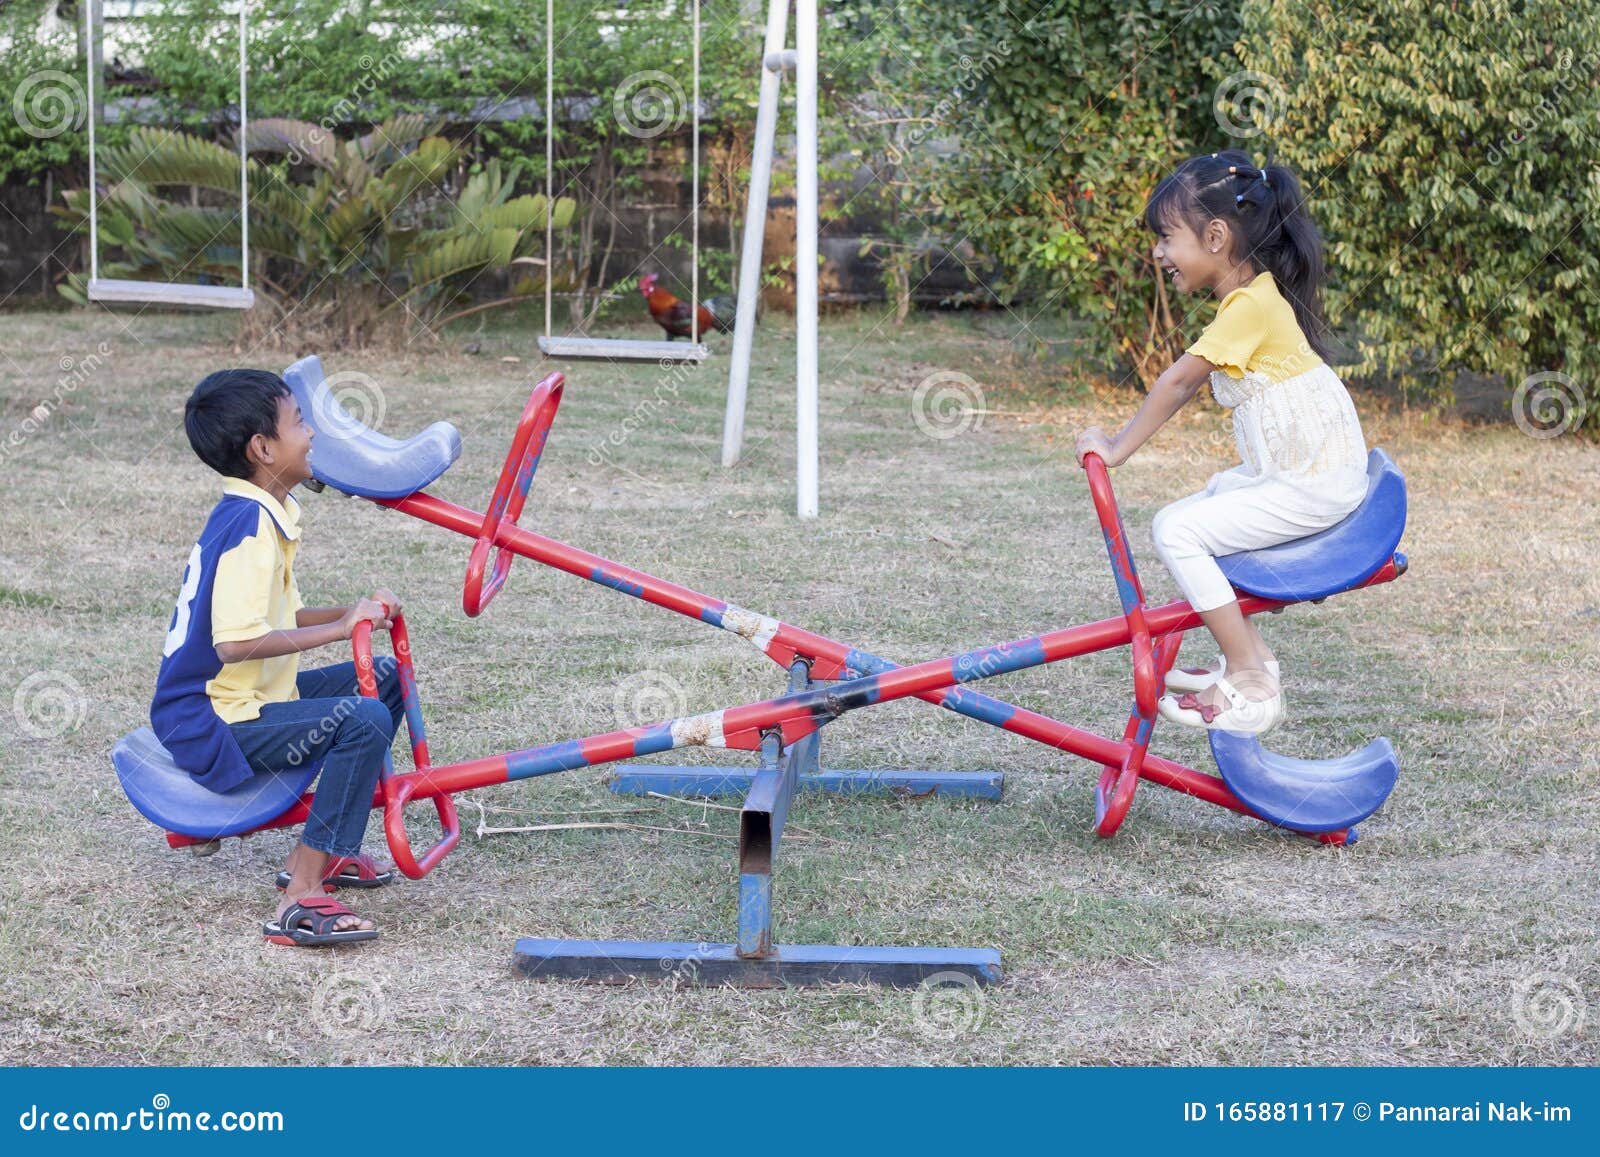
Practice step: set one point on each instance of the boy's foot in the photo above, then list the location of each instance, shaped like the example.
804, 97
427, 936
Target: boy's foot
316, 921
1253, 706
357, 871
1182, 679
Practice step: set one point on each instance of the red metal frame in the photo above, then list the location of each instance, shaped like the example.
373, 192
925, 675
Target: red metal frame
1153, 633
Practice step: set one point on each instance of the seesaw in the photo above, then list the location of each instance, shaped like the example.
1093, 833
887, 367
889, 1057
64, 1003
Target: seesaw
1322, 799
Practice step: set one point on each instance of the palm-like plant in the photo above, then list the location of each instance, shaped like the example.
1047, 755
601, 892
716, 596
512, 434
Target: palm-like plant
347, 234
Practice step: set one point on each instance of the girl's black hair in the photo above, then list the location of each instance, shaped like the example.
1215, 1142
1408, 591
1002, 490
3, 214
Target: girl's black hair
1266, 210
226, 410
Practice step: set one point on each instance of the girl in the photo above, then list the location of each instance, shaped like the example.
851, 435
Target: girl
1242, 233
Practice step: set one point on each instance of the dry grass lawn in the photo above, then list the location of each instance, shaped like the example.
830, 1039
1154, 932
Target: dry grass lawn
1460, 930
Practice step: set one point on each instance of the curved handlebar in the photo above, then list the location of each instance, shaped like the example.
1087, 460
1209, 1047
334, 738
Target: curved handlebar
398, 790
1129, 589
522, 460
397, 793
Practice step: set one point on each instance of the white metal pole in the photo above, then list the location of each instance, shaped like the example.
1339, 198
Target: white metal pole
549, 158
93, 78
755, 226
694, 193
244, 160
805, 36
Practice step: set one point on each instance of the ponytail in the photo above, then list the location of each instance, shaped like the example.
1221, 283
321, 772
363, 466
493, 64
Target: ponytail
1272, 227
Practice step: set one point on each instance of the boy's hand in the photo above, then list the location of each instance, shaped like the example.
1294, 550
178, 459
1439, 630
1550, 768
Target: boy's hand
1094, 441
389, 599
365, 611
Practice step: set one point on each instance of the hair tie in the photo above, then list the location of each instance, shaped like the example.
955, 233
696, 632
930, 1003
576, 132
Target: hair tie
1261, 175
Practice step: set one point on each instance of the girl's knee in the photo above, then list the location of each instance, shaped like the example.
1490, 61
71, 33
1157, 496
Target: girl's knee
1173, 534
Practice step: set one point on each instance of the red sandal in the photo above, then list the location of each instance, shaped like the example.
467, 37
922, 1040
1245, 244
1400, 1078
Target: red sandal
311, 923
338, 874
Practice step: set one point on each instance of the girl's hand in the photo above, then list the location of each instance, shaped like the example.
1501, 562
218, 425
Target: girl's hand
1094, 441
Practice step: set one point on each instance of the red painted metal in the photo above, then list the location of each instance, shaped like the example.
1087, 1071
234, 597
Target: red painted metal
527, 443
397, 790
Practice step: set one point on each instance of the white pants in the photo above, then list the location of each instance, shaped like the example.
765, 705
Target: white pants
1241, 511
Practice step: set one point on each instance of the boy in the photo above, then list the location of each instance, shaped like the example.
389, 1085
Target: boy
230, 700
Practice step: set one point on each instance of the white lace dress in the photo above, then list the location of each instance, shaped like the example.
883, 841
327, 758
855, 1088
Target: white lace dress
1302, 432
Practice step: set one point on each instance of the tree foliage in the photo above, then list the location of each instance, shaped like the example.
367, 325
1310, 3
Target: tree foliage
1059, 126
1453, 156
41, 80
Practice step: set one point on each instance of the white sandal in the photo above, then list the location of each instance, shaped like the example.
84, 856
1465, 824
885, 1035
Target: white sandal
1182, 679
1248, 716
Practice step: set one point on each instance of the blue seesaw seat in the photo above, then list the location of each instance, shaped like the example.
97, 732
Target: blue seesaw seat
1319, 795
166, 796
1332, 560
354, 459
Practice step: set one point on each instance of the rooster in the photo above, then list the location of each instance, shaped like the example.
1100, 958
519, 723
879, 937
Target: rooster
672, 313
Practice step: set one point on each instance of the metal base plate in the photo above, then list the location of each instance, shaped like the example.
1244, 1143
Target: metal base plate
711, 782
618, 961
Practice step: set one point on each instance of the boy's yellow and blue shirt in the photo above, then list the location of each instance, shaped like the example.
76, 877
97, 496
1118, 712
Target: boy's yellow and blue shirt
238, 585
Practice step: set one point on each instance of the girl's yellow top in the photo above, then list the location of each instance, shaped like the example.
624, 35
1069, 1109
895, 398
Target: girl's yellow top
1255, 331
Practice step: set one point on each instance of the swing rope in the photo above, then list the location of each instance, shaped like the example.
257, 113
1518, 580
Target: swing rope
158, 291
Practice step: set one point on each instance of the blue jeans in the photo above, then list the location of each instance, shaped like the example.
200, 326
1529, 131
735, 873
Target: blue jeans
332, 722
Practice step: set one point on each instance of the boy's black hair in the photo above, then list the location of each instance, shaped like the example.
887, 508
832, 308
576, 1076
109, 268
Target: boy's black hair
226, 410
1267, 212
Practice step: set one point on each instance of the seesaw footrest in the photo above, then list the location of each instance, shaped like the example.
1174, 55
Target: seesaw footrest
1307, 795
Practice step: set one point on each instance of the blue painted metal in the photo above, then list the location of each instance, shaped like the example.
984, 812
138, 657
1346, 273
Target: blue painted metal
1335, 559
168, 796
722, 782
1308, 795
354, 459
616, 582
552, 757
807, 755
986, 662
755, 914
976, 705
616, 961
760, 825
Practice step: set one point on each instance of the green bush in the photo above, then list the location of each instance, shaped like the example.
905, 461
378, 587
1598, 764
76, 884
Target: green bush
41, 79
1061, 126
1450, 152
